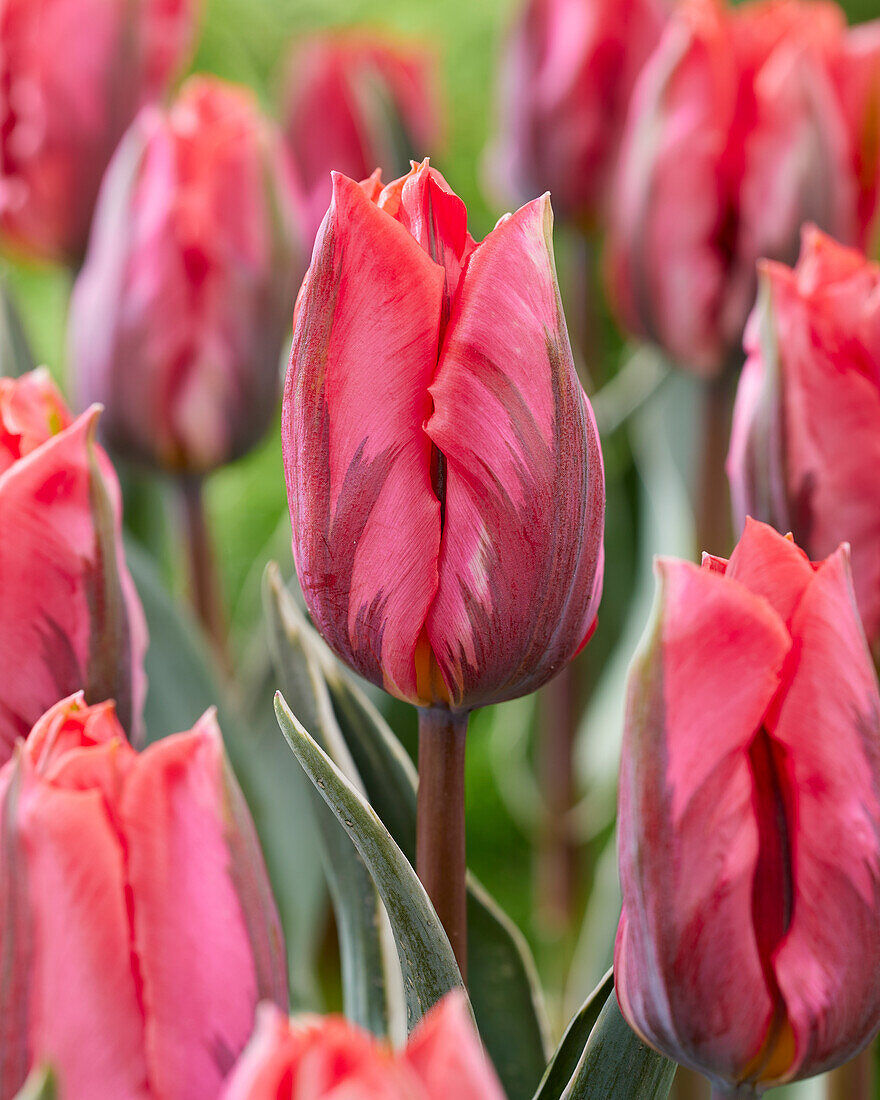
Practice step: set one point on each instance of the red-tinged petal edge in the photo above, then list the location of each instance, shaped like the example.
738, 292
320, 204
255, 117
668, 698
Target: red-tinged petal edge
524, 486
366, 521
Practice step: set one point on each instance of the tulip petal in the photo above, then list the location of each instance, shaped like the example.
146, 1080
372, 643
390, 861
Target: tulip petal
200, 988
365, 518
85, 1017
686, 959
771, 566
829, 725
445, 1053
525, 494
59, 632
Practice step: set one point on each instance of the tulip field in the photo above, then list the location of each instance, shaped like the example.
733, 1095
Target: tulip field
439, 550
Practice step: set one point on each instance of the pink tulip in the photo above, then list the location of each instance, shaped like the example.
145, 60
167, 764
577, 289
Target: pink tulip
351, 103
736, 135
137, 926
568, 74
806, 435
749, 819
443, 466
179, 317
315, 1058
72, 75
69, 614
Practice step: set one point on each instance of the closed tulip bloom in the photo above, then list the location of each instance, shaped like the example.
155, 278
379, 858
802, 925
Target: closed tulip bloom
806, 435
749, 819
70, 618
736, 136
72, 76
180, 315
568, 73
443, 466
352, 103
137, 926
315, 1057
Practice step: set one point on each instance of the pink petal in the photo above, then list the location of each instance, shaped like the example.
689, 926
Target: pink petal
447, 1057
829, 726
525, 495
365, 518
686, 959
771, 566
191, 935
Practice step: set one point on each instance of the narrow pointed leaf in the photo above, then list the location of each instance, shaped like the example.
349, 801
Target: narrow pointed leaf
617, 1065
567, 1055
353, 893
426, 959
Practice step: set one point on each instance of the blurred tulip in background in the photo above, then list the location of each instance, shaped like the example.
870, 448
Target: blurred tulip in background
568, 72
318, 1057
749, 818
443, 465
73, 73
138, 931
69, 615
180, 315
739, 131
806, 440
353, 103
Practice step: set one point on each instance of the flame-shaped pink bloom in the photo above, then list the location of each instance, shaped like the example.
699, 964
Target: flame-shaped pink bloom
316, 1057
749, 818
137, 927
568, 73
737, 134
353, 102
443, 465
72, 75
70, 618
805, 445
180, 316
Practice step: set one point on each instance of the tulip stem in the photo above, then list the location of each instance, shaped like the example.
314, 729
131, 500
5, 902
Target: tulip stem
440, 833
713, 495
204, 581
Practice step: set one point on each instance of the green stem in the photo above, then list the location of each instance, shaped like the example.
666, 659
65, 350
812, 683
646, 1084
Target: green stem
204, 581
714, 531
440, 829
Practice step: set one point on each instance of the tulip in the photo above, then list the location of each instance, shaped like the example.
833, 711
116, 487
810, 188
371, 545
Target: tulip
569, 70
137, 926
72, 75
736, 135
806, 434
443, 471
351, 103
315, 1057
69, 615
179, 316
749, 819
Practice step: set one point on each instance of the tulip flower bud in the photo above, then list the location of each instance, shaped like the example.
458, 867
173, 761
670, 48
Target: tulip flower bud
326, 1056
443, 465
352, 103
736, 136
179, 317
69, 615
749, 819
806, 431
72, 75
137, 927
568, 73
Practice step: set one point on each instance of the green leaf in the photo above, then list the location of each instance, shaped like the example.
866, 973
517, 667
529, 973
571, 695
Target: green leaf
40, 1085
502, 980
426, 959
567, 1055
182, 684
617, 1065
15, 353
353, 893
